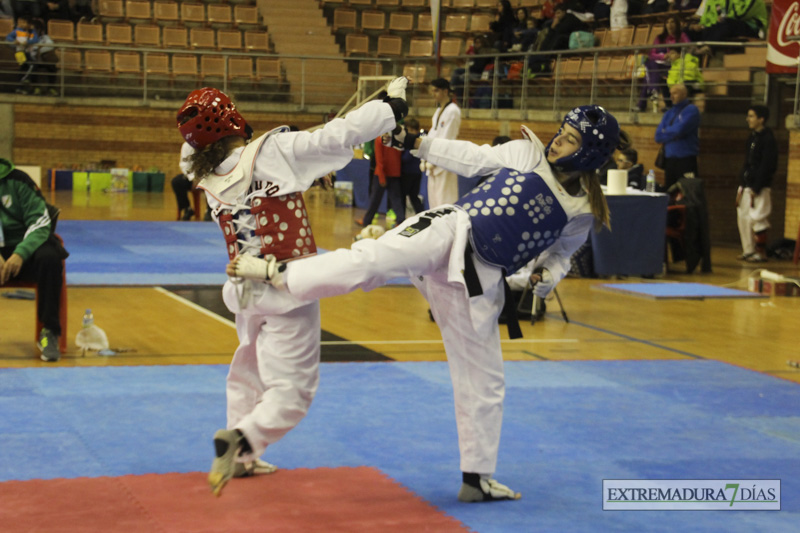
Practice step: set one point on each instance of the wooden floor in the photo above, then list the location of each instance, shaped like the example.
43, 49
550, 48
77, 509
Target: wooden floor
154, 326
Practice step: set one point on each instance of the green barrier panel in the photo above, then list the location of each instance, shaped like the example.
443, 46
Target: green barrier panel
80, 181
139, 182
99, 181
155, 182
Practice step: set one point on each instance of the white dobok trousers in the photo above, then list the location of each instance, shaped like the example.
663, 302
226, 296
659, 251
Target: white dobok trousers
442, 187
274, 374
432, 256
752, 214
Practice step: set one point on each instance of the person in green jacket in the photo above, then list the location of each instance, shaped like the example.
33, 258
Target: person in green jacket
685, 70
725, 20
27, 251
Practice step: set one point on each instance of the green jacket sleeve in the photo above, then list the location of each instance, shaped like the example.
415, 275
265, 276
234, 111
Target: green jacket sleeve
37, 220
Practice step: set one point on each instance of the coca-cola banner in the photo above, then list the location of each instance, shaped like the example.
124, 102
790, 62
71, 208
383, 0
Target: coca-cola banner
784, 23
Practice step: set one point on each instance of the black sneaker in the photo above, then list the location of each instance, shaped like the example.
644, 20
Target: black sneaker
48, 344
188, 213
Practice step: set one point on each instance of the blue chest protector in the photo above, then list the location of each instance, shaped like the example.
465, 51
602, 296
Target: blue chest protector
515, 217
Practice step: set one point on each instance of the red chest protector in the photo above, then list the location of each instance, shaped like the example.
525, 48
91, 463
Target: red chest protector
280, 224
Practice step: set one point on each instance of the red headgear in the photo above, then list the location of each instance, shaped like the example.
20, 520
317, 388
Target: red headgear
211, 116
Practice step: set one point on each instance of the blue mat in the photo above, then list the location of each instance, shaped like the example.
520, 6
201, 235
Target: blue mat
568, 426
659, 291
119, 253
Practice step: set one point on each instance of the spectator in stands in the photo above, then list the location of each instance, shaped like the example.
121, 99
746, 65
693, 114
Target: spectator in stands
656, 6
27, 8
82, 10
411, 175
443, 184
753, 202
555, 36
25, 38
503, 26
475, 66
44, 61
6, 9
678, 132
685, 68
54, 9
525, 31
726, 20
30, 252
657, 63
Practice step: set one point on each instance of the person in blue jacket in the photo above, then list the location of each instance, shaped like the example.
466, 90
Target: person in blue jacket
678, 133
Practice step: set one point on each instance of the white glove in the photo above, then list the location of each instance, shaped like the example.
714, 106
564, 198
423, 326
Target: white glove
397, 88
542, 288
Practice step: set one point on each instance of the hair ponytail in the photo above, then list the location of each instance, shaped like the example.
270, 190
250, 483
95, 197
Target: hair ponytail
597, 200
205, 160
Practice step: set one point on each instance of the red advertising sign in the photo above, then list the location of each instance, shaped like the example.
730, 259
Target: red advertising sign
784, 23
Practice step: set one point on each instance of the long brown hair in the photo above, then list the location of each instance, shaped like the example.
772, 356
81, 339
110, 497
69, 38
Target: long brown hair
203, 161
597, 200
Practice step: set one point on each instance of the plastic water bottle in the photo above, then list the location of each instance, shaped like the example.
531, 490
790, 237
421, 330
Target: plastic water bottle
650, 185
91, 337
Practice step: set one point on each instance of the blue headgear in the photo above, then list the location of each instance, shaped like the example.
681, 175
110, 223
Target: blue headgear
599, 138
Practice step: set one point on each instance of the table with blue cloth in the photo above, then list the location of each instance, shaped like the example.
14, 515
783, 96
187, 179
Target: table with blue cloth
635, 244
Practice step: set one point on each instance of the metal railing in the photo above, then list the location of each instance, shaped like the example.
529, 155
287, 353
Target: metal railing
304, 82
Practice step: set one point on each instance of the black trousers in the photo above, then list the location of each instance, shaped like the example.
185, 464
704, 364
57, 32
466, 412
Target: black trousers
46, 269
396, 200
678, 167
410, 186
181, 187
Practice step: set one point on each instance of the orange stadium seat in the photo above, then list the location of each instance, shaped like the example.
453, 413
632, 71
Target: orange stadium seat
165, 13
147, 35
202, 38
97, 61
119, 33
89, 33
256, 41
240, 68
268, 68
156, 64
110, 10
175, 37
220, 15
184, 66
420, 47
138, 11
370, 68
451, 47
344, 19
127, 63
212, 67
390, 45
401, 22
373, 20
58, 30
356, 44
246, 16
193, 14
229, 40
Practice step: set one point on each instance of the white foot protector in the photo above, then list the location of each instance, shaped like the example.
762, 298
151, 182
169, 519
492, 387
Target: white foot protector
488, 490
267, 269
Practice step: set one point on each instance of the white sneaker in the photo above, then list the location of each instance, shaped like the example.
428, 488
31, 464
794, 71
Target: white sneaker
486, 490
267, 269
253, 468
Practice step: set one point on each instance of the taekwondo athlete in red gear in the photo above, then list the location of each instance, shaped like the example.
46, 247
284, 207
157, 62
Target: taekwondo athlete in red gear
540, 202
254, 188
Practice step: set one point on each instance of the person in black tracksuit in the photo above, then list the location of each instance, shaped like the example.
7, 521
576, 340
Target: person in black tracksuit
753, 201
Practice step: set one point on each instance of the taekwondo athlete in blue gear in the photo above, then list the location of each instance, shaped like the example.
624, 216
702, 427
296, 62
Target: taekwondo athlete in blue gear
534, 190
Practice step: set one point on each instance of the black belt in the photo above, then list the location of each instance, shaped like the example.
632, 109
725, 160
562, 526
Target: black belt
474, 289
